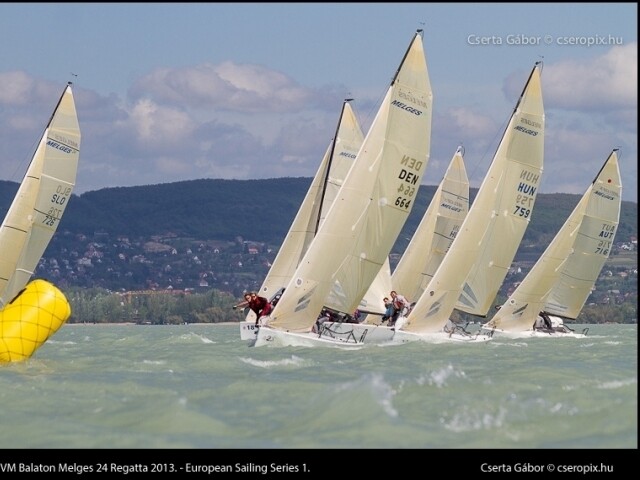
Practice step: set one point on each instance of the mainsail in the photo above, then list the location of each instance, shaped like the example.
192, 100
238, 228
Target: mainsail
324, 188
43, 196
561, 280
483, 250
375, 199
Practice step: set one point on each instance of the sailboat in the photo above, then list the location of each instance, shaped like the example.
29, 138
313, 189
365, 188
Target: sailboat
364, 221
26, 310
560, 282
322, 192
426, 250
473, 270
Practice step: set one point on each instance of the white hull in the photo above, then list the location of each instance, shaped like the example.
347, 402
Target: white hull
372, 333
363, 332
402, 336
540, 334
280, 338
248, 330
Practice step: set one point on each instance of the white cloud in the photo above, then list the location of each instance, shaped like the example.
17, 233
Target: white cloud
17, 88
607, 82
227, 86
160, 125
239, 121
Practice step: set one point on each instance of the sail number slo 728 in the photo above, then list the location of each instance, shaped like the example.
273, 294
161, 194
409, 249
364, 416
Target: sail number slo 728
59, 199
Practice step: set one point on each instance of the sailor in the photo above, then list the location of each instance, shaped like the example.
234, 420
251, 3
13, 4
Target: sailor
259, 305
389, 310
401, 306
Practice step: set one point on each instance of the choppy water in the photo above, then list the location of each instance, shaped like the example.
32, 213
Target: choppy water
200, 386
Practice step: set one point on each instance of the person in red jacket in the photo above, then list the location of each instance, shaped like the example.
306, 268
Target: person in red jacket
259, 305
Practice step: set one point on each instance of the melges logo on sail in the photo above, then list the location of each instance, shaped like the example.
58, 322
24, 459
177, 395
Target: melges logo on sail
58, 146
412, 99
530, 123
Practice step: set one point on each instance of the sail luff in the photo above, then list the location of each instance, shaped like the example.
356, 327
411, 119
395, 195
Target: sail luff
325, 180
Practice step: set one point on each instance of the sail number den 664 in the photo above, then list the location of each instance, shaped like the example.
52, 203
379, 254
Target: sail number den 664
407, 188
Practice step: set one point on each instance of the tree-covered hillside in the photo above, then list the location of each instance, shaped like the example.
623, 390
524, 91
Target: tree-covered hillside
260, 210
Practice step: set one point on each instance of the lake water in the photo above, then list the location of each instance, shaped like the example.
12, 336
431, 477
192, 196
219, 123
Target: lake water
201, 387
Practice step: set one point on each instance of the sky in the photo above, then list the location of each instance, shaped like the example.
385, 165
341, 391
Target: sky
167, 92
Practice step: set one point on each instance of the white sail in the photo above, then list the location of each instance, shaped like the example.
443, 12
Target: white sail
335, 164
41, 200
375, 199
428, 245
372, 302
435, 233
561, 280
491, 233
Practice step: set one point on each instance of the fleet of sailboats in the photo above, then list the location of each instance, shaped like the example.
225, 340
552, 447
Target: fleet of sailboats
334, 259
31, 312
364, 221
558, 285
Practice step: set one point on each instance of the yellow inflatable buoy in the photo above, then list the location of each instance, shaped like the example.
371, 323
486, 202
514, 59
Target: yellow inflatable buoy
30, 319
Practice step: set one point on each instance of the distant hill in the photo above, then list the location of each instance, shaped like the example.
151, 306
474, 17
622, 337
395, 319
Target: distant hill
259, 210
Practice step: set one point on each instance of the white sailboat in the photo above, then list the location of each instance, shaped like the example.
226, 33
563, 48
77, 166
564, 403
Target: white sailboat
560, 282
32, 311
43, 196
324, 188
364, 221
473, 270
426, 250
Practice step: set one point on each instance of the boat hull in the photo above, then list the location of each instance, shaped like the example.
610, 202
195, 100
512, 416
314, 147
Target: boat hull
363, 332
402, 336
248, 331
278, 338
31, 319
539, 334
372, 333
